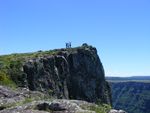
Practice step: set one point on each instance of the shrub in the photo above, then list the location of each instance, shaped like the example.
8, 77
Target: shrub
5, 80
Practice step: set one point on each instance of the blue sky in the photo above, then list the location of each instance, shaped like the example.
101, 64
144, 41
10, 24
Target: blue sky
119, 29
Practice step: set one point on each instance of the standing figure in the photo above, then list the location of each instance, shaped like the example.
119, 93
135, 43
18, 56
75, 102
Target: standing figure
68, 45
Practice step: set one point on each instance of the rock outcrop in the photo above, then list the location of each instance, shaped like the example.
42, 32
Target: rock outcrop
117, 111
72, 78
74, 73
25, 101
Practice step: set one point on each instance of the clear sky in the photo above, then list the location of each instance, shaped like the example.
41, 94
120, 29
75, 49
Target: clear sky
119, 29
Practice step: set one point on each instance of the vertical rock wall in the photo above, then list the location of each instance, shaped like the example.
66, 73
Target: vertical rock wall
74, 73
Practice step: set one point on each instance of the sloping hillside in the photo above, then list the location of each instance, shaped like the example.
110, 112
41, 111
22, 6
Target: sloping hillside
131, 94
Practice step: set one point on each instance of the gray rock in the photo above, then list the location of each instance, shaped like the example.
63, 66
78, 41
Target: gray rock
6, 92
75, 73
23, 111
11, 97
20, 104
116, 111
55, 106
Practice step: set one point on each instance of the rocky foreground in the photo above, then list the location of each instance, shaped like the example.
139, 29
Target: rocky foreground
25, 101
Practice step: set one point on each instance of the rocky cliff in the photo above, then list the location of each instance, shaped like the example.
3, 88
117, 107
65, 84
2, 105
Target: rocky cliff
73, 73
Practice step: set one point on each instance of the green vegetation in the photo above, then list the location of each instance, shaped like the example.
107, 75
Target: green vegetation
5, 80
133, 97
101, 108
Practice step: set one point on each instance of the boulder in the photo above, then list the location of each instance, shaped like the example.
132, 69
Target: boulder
117, 111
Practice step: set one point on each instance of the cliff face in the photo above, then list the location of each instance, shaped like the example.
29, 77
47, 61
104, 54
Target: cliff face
74, 73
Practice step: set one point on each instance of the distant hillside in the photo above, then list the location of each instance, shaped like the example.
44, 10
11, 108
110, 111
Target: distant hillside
131, 93
132, 78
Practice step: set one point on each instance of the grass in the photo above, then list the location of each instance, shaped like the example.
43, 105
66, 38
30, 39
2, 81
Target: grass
6, 81
101, 108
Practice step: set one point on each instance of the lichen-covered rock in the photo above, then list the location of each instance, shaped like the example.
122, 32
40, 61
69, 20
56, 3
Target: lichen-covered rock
25, 101
65, 106
48, 74
75, 73
22, 111
117, 111
10, 98
57, 106
87, 81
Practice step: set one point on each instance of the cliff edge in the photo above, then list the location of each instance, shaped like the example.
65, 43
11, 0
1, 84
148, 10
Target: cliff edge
73, 73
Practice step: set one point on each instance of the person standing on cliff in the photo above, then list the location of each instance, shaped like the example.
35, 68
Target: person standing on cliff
68, 45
